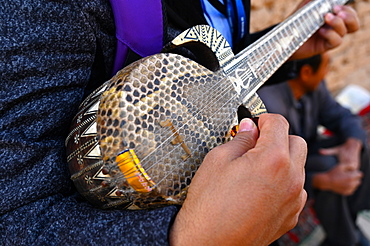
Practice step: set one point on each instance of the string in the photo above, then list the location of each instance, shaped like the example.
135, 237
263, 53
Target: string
205, 102
194, 117
175, 148
204, 106
187, 137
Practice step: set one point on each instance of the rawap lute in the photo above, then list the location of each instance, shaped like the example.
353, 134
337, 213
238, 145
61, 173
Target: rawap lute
138, 140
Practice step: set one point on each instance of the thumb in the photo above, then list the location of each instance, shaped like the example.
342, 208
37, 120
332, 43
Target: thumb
329, 151
244, 140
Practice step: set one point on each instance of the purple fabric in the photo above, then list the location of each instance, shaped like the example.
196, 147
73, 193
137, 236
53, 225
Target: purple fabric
139, 26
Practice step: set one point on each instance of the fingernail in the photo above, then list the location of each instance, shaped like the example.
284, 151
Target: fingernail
246, 125
337, 8
329, 16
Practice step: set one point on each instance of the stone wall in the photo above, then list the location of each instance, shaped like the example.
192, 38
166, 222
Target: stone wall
350, 61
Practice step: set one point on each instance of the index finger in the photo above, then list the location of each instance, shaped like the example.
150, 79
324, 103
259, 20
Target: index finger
274, 132
349, 16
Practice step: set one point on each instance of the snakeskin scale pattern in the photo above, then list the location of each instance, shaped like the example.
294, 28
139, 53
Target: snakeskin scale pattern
170, 110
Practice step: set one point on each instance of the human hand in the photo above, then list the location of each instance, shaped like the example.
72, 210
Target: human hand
339, 180
348, 153
343, 20
248, 191
345, 177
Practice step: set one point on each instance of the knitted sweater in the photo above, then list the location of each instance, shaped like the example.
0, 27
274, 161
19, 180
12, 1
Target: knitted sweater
51, 53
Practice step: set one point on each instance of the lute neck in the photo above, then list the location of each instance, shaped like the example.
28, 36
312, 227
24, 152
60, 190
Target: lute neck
267, 54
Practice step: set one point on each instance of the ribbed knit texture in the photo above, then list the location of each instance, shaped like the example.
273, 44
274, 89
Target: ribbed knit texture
49, 51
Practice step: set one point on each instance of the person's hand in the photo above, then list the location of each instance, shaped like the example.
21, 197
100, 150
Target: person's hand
345, 177
338, 180
343, 20
348, 153
248, 191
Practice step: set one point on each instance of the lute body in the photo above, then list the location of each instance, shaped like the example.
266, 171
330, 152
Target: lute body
138, 140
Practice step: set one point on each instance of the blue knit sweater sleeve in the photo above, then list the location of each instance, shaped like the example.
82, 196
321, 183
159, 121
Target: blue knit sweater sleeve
51, 51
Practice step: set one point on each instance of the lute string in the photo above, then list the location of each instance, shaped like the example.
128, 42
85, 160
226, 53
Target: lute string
187, 138
165, 142
194, 117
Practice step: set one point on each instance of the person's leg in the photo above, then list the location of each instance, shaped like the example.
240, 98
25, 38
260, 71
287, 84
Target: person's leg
360, 200
334, 215
332, 209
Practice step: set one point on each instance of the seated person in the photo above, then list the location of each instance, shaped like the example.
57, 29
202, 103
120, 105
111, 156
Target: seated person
337, 178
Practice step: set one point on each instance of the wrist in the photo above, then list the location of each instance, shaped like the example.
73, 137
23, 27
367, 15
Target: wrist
353, 144
321, 181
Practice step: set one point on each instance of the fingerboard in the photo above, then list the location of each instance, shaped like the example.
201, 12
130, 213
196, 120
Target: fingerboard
260, 60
